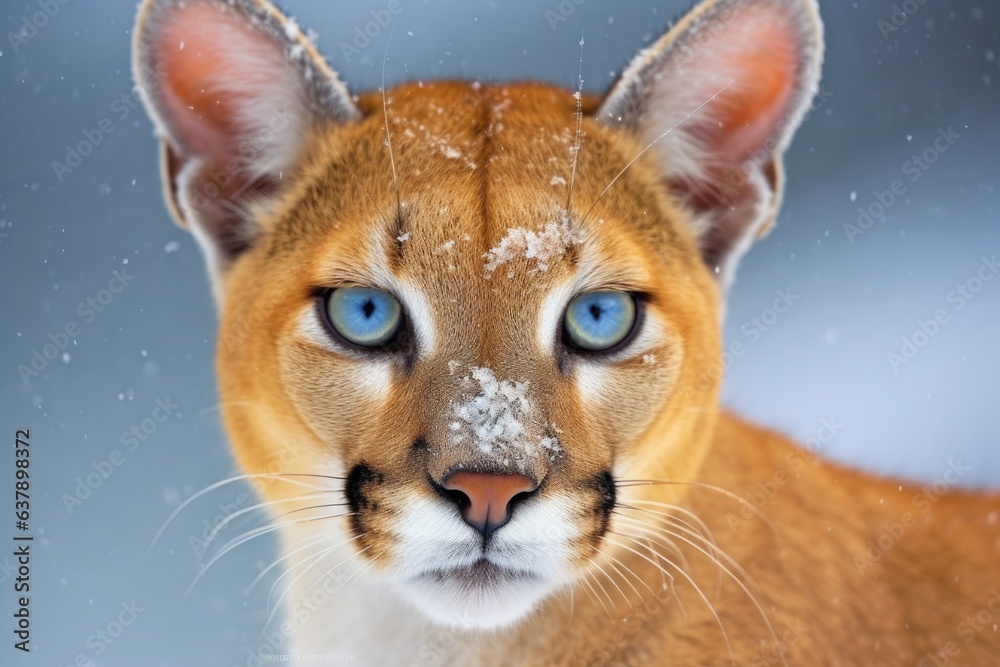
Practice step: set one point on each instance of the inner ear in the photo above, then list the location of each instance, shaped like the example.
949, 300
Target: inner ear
223, 224
717, 100
224, 80
234, 88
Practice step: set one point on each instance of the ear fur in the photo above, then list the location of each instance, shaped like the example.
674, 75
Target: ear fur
719, 97
232, 87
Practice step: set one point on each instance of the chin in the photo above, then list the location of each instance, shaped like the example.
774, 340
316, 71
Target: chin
481, 596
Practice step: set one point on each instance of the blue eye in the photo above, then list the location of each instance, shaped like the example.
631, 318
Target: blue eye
597, 321
363, 316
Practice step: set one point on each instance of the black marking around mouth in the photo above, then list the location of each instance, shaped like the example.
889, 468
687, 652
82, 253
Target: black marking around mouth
607, 497
359, 479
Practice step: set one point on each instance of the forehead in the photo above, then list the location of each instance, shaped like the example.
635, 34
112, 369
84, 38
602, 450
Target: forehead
470, 189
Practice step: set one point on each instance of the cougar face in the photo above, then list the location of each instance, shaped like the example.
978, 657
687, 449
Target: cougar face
455, 317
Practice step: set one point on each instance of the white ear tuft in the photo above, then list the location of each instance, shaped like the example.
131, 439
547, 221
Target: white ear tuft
719, 97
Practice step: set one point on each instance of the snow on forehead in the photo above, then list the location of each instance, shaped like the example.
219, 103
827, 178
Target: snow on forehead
542, 247
497, 417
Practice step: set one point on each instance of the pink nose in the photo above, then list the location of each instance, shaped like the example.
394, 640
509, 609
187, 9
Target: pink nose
485, 499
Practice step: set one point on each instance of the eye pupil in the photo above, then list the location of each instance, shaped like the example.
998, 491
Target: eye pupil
596, 312
368, 308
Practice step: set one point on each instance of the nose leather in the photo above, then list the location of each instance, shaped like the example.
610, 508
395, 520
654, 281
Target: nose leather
488, 496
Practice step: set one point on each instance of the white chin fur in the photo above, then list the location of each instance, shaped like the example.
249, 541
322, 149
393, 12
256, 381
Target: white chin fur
442, 572
457, 604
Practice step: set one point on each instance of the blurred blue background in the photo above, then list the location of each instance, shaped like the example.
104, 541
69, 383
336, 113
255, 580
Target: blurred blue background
892, 83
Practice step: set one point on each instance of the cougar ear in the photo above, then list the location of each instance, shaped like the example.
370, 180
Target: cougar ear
719, 97
232, 87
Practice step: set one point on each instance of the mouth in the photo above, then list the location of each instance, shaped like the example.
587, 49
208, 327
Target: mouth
479, 595
480, 575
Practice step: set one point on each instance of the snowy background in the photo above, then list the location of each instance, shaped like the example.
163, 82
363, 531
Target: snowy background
62, 236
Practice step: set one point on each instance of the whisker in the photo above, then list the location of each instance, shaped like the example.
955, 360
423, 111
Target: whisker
701, 529
586, 581
230, 480
603, 590
697, 588
243, 539
218, 406
316, 558
225, 522
310, 507
739, 582
385, 112
714, 557
286, 556
615, 584
665, 576
663, 532
670, 545
673, 520
368, 195
312, 559
650, 145
358, 570
729, 494
572, 601
367, 566
628, 581
689, 530
746, 590
578, 143
291, 585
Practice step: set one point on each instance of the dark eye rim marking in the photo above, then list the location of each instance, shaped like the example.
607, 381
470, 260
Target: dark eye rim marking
639, 299
402, 340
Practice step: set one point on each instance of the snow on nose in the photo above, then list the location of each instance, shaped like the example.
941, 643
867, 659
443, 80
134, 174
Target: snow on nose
498, 419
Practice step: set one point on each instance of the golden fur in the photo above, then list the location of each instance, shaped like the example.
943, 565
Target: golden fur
418, 190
